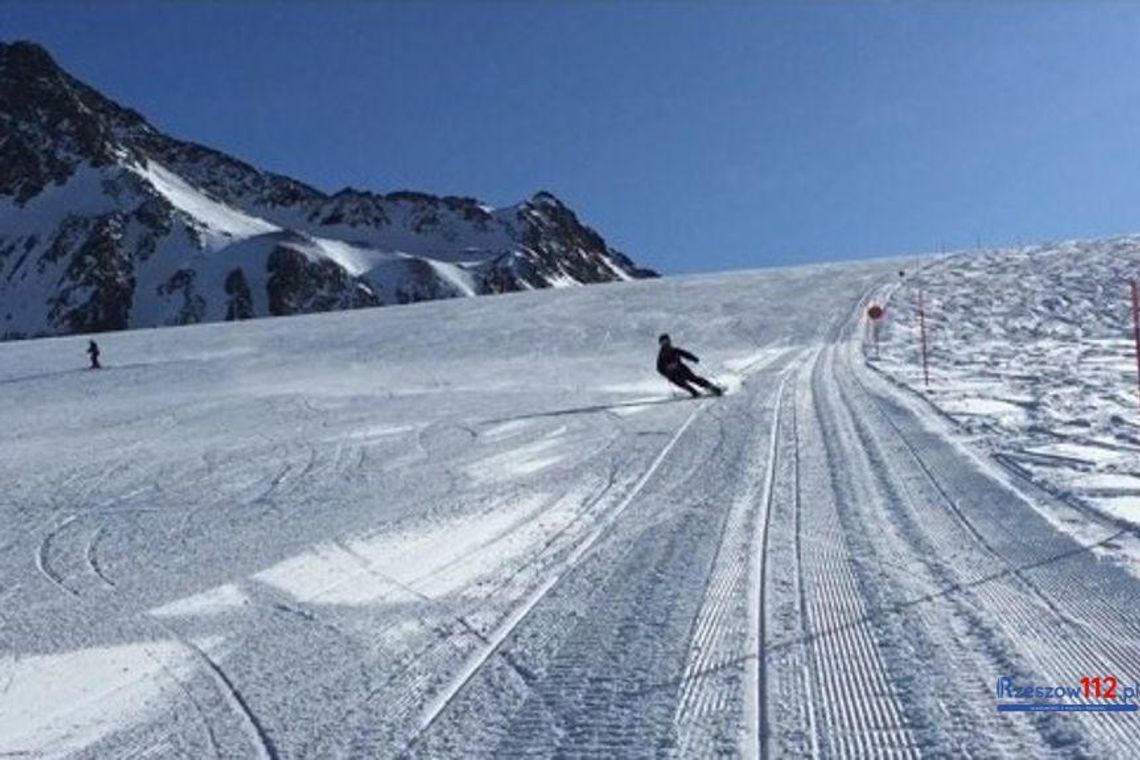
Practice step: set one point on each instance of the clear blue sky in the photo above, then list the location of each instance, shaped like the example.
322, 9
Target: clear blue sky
693, 136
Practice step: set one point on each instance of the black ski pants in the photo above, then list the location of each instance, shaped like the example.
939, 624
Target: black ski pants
683, 376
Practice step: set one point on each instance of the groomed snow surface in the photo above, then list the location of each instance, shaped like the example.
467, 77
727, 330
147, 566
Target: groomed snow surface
1032, 360
486, 528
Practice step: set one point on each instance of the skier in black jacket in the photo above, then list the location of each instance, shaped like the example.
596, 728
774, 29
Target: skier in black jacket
93, 352
675, 371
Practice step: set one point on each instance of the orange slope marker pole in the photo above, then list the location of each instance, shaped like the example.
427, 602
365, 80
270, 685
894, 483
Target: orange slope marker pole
922, 333
1136, 327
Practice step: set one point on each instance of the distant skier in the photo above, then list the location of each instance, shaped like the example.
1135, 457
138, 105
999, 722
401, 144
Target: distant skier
670, 364
93, 352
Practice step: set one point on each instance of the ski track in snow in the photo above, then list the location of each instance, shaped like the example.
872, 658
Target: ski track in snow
492, 643
486, 528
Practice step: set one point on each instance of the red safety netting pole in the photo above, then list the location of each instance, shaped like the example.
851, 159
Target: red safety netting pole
874, 314
922, 333
1136, 328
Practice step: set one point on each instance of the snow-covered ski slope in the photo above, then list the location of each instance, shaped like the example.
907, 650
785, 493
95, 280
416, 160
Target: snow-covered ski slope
486, 528
1032, 360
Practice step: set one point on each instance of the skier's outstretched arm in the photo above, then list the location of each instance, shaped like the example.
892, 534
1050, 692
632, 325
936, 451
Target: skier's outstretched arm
686, 355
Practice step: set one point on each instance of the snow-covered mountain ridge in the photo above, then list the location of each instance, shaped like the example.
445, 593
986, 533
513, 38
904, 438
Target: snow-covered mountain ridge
106, 223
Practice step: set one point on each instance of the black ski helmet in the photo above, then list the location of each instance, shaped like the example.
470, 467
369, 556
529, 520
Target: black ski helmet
663, 338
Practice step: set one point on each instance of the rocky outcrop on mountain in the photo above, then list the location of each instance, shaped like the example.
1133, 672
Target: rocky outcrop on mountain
106, 223
298, 284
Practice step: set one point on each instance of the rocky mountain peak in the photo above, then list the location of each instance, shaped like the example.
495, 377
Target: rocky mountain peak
27, 56
50, 122
546, 198
140, 228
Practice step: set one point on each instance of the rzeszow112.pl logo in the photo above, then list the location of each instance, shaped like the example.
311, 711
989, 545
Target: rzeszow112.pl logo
1091, 694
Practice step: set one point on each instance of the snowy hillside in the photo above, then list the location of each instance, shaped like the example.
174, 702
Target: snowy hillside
106, 223
487, 528
1032, 356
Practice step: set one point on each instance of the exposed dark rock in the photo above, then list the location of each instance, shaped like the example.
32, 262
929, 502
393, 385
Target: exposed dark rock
98, 286
298, 284
182, 283
239, 303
